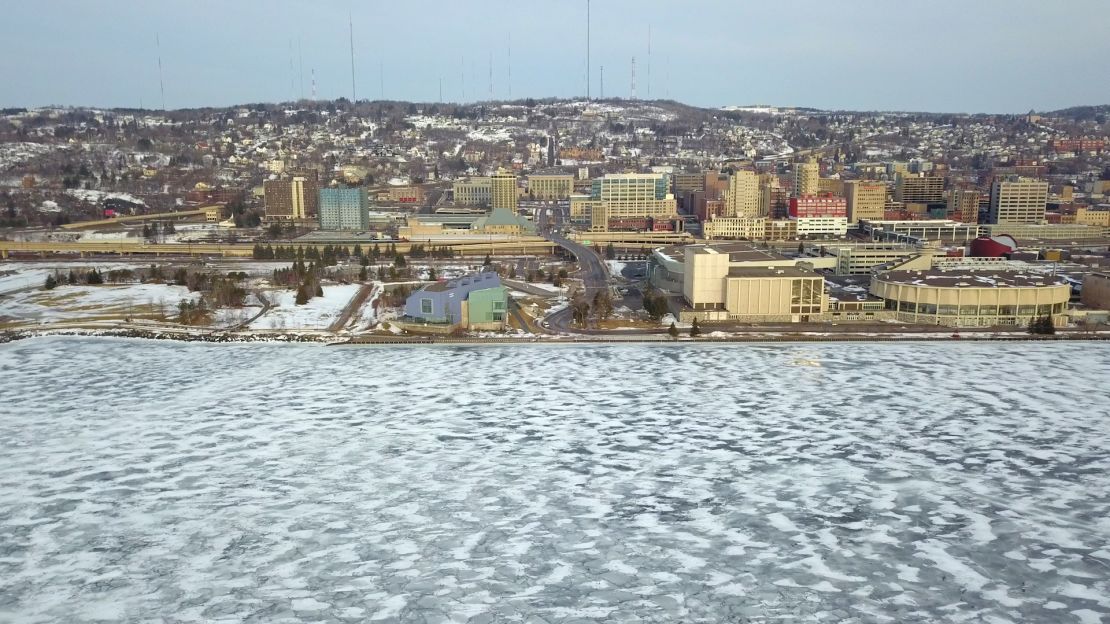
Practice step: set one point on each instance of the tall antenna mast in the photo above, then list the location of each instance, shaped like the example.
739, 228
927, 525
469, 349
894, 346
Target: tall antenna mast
313, 83
648, 96
351, 29
491, 76
300, 63
633, 77
587, 50
292, 75
161, 85
462, 76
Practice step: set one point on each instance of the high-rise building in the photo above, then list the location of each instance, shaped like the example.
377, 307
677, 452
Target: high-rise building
918, 189
550, 187
743, 195
1018, 200
294, 199
344, 209
807, 176
503, 190
472, 192
624, 196
963, 205
865, 200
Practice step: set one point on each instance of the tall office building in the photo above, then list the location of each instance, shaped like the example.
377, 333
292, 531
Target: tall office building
503, 190
624, 196
344, 209
743, 195
1018, 200
294, 199
918, 189
865, 200
807, 176
963, 205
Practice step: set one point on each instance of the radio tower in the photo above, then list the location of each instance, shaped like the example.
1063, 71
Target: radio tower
161, 85
351, 28
633, 77
313, 71
588, 77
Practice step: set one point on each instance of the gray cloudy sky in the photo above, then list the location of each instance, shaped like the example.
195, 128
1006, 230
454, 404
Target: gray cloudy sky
943, 55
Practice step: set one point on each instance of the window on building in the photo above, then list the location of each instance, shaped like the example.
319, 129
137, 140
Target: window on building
498, 305
425, 306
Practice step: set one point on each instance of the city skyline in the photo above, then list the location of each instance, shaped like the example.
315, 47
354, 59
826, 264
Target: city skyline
870, 56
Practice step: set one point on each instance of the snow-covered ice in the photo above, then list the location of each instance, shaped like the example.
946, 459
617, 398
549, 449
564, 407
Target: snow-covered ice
954, 482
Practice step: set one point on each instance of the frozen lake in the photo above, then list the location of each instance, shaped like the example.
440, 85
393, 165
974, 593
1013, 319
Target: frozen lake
949, 482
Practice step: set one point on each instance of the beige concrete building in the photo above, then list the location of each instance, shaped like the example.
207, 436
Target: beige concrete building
1018, 200
743, 195
750, 228
866, 200
970, 298
1087, 215
550, 187
807, 178
473, 191
963, 205
918, 189
832, 186
715, 290
503, 192
1096, 291
623, 196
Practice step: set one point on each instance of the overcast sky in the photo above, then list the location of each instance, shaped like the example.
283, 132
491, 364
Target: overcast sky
943, 55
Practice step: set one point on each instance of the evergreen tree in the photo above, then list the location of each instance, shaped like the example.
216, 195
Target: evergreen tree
695, 331
673, 331
431, 274
302, 295
362, 276
487, 261
51, 283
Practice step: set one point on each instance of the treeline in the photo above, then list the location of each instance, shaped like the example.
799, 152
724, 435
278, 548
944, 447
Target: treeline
306, 279
330, 255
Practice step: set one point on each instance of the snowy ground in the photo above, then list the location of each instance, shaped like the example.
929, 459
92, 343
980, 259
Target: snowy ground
318, 313
797, 483
69, 303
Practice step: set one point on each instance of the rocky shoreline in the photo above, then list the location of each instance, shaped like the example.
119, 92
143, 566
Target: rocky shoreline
13, 335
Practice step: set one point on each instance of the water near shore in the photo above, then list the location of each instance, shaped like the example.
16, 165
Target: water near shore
954, 482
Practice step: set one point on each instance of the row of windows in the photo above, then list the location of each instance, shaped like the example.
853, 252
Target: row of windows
975, 310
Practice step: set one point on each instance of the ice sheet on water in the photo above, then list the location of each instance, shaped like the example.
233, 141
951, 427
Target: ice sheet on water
893, 482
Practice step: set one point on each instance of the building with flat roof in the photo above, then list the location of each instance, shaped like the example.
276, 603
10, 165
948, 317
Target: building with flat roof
918, 189
667, 265
743, 195
806, 178
963, 205
916, 231
624, 196
550, 187
294, 199
503, 192
472, 191
972, 298
344, 209
1016, 200
715, 290
864, 200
